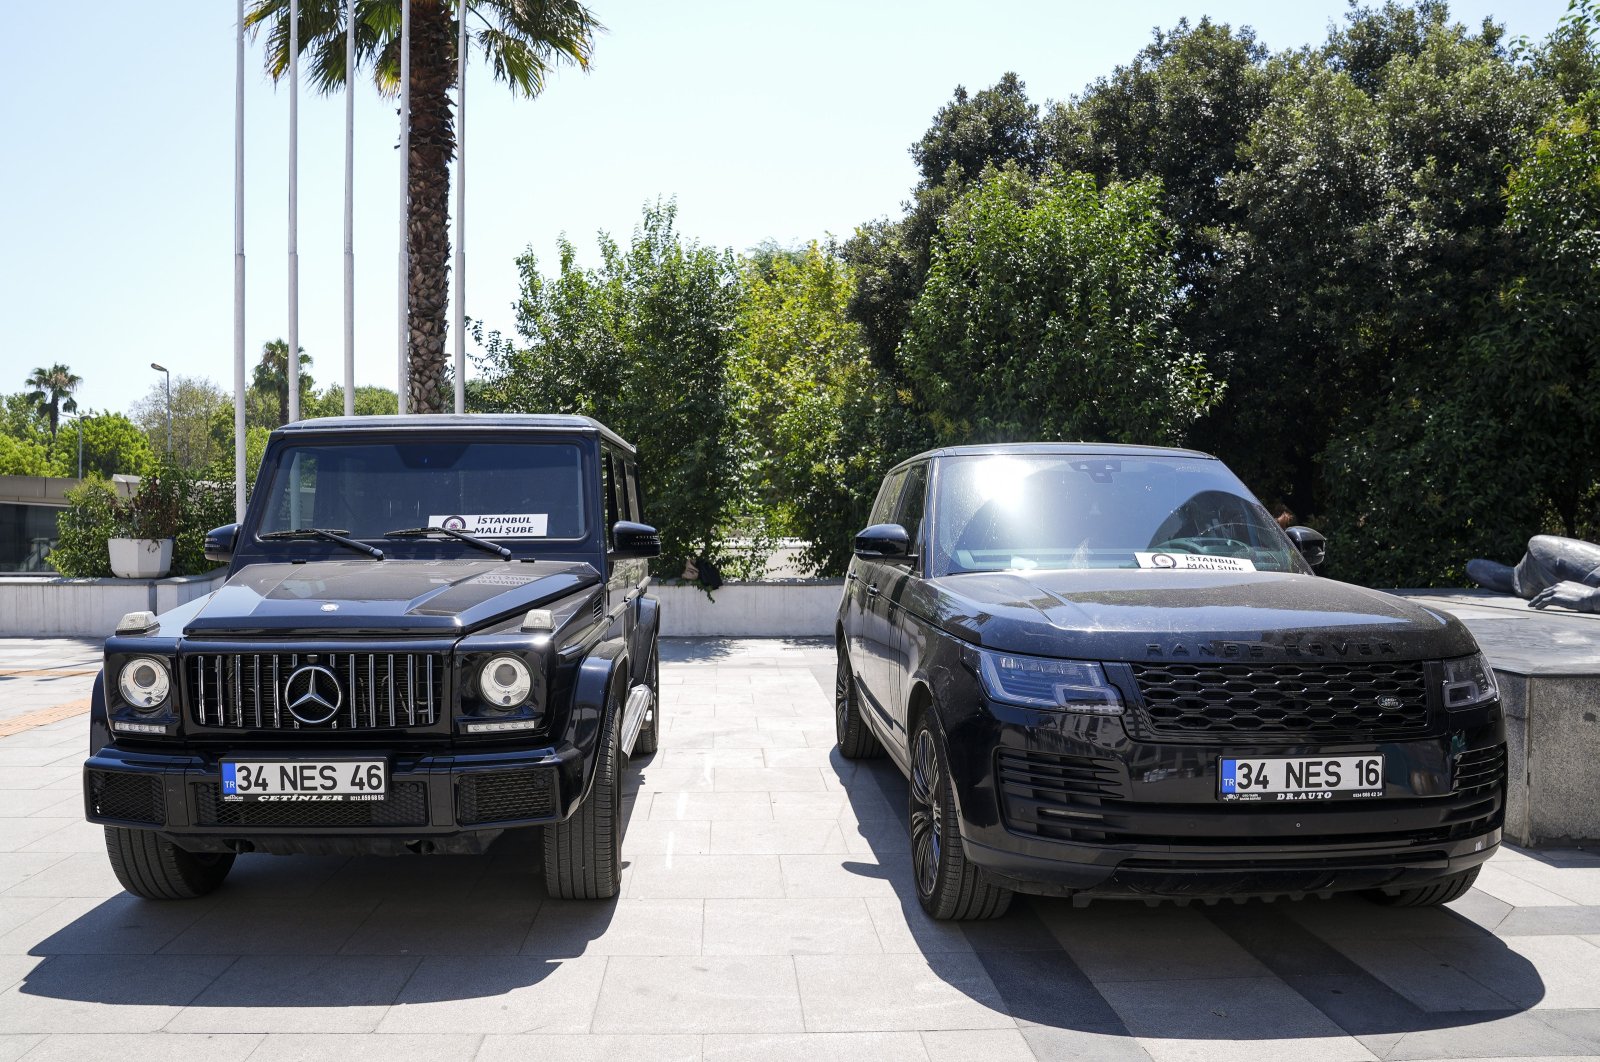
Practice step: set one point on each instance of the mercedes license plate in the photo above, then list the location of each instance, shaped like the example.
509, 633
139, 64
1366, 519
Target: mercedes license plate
304, 780
1307, 778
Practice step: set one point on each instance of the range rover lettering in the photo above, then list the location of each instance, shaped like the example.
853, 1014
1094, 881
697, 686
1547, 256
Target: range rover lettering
1107, 671
433, 630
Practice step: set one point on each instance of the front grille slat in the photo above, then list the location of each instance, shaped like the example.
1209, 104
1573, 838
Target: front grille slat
245, 691
1324, 701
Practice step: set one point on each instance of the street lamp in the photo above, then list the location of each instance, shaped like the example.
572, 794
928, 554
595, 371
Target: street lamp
163, 369
78, 420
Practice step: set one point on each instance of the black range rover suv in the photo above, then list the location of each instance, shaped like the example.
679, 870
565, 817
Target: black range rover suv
433, 630
1107, 671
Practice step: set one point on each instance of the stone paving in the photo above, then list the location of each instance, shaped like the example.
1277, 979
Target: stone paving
767, 913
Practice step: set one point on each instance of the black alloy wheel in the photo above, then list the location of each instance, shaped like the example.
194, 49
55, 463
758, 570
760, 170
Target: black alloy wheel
855, 738
948, 886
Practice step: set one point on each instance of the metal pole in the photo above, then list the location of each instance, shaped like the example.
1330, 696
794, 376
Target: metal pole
294, 211
349, 208
163, 370
78, 423
404, 374
238, 274
461, 212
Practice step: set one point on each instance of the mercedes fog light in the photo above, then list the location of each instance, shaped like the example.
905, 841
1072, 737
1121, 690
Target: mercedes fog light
144, 682
505, 681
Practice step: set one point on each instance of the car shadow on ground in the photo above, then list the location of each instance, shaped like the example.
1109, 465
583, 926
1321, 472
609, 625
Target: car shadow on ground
332, 931
1251, 971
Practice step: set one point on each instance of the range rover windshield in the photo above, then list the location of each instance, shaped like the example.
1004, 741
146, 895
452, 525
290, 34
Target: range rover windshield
491, 490
1007, 512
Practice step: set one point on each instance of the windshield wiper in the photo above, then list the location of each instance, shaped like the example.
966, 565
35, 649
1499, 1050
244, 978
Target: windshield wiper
328, 535
471, 540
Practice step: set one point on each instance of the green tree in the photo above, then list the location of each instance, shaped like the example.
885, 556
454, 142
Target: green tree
369, 401
24, 457
812, 411
112, 445
50, 392
521, 42
271, 377
642, 343
195, 401
1048, 314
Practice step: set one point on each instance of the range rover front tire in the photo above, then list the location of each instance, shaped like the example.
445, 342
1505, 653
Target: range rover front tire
583, 855
949, 887
856, 740
1434, 893
156, 869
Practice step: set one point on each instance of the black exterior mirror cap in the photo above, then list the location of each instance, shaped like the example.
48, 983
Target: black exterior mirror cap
631, 541
220, 542
1311, 544
884, 542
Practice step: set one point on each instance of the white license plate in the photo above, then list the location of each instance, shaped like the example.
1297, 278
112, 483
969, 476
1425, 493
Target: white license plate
290, 780
1307, 778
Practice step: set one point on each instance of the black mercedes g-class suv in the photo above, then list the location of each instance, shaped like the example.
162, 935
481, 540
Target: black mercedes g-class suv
1106, 670
434, 629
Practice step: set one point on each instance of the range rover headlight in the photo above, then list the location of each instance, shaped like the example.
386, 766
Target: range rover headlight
144, 682
505, 681
1078, 686
1468, 682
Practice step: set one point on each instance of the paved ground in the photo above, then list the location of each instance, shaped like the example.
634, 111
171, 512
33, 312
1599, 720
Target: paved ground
766, 913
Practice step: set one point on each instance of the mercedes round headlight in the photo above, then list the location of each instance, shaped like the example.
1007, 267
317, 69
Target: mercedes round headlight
1468, 682
505, 681
144, 682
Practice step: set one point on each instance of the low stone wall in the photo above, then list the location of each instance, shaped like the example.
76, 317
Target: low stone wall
801, 609
89, 608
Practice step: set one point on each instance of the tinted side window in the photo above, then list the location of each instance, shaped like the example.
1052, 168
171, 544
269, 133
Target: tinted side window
888, 494
908, 514
608, 478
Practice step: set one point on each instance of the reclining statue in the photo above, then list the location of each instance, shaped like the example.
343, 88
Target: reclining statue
1554, 571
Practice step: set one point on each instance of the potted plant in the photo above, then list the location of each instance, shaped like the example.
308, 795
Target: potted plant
145, 525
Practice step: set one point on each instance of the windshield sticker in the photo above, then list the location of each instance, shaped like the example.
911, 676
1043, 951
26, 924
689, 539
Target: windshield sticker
1192, 562
495, 525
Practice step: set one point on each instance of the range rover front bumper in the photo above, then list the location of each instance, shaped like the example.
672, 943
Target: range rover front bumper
1065, 805
436, 802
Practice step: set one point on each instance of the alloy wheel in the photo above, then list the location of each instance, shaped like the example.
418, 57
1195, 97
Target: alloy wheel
927, 812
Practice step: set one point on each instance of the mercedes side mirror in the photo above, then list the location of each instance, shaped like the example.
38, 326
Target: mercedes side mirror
884, 542
631, 541
220, 542
1312, 546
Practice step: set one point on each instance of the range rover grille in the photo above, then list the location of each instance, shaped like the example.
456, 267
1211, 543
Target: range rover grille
352, 691
1283, 702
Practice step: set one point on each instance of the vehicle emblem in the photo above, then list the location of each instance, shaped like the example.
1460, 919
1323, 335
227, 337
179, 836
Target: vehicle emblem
1390, 703
330, 606
312, 694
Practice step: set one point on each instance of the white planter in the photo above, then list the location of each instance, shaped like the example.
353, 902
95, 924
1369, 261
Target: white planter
140, 558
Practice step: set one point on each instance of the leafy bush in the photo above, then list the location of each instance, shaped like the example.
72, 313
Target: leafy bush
82, 530
170, 503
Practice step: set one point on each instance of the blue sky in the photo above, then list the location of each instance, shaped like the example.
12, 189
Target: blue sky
764, 120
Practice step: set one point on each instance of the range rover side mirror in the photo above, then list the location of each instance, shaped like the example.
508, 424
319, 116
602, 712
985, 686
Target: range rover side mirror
884, 542
220, 542
631, 541
1312, 546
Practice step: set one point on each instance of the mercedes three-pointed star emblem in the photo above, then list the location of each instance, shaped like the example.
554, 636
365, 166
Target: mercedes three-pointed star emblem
312, 694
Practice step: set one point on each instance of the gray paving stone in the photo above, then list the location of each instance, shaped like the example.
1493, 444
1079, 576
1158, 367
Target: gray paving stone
519, 994
1432, 983
1109, 1043
789, 927
705, 877
154, 1047
18, 868
823, 876
1228, 1018
13, 1045
617, 927
1501, 1036
294, 993
283, 928
710, 807
1542, 971
97, 993
786, 837
86, 925
1554, 921
700, 994
1130, 942
398, 930
590, 1048
844, 993
816, 1047
378, 1047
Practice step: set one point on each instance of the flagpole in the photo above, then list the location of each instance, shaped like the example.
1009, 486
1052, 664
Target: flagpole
461, 213
349, 209
238, 273
405, 199
294, 211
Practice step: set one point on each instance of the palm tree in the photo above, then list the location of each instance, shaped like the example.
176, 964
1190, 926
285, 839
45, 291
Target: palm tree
52, 390
522, 40
272, 375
